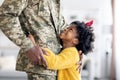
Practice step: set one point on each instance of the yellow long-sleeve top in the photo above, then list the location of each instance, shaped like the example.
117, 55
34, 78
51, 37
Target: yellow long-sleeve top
65, 62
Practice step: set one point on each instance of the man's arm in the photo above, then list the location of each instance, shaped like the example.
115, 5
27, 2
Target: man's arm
10, 25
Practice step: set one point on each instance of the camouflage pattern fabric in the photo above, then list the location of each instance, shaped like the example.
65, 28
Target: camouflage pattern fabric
32, 76
17, 16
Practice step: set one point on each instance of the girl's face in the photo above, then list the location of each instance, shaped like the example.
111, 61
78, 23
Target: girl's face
69, 33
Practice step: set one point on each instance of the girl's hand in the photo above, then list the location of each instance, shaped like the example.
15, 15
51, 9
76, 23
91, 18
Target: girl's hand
80, 61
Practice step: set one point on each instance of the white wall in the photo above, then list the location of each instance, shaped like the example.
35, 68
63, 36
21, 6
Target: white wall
117, 37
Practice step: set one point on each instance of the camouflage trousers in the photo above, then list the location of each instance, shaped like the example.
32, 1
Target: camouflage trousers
33, 76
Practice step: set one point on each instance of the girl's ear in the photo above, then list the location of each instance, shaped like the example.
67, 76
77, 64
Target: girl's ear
75, 41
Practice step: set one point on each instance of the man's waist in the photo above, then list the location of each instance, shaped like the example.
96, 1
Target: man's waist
39, 71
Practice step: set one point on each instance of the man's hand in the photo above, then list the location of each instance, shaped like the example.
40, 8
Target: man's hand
35, 55
80, 61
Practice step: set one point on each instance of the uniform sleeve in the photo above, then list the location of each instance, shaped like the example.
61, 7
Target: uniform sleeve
63, 23
65, 59
10, 25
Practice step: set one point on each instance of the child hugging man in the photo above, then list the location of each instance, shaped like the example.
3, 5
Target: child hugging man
78, 36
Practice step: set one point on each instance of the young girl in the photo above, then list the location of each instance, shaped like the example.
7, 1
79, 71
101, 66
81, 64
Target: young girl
78, 36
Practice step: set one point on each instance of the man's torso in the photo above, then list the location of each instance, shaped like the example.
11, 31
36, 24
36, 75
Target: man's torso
36, 18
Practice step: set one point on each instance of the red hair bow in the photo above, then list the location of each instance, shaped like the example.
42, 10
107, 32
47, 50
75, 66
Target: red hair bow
89, 23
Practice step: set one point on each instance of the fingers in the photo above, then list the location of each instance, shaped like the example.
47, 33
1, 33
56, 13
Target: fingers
80, 52
44, 51
44, 62
81, 57
32, 39
42, 58
79, 63
79, 69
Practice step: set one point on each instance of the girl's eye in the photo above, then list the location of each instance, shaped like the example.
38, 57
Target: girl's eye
70, 29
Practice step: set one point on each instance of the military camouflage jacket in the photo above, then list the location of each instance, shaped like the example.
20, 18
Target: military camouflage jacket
40, 17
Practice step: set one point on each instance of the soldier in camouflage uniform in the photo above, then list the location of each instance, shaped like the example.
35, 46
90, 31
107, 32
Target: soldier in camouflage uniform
42, 18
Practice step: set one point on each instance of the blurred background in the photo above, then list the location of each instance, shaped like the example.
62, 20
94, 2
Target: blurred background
103, 63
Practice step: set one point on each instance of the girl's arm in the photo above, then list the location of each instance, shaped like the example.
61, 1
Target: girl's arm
65, 59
